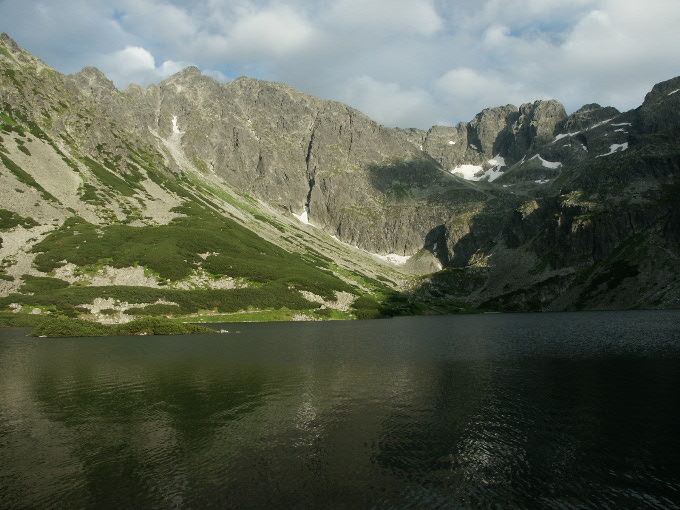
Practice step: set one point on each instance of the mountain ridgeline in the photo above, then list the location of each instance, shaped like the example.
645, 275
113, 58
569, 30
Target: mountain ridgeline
249, 199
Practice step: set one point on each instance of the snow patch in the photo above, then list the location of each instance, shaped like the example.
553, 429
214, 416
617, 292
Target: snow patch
468, 172
615, 147
600, 124
547, 164
175, 127
498, 161
620, 130
671, 93
542, 181
304, 216
564, 135
473, 146
451, 142
622, 124
494, 173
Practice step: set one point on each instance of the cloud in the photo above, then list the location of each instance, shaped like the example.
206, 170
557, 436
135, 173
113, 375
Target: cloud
406, 62
135, 64
388, 103
159, 21
257, 34
385, 16
464, 89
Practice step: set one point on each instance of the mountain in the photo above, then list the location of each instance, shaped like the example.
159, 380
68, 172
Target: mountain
193, 197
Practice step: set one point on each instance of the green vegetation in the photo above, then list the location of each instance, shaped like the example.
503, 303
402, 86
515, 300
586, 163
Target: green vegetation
25, 177
110, 179
269, 296
66, 327
172, 251
19, 320
366, 307
33, 284
10, 220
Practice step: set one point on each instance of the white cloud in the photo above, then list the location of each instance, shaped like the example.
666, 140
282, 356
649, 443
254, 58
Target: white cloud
465, 89
388, 103
160, 21
409, 62
270, 33
385, 16
135, 64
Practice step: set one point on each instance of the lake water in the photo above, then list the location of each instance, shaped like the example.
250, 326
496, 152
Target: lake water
570, 410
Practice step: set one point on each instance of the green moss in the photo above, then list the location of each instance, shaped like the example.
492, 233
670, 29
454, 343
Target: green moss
24, 149
6, 53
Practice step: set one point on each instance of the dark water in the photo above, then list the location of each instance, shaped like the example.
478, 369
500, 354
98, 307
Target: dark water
574, 410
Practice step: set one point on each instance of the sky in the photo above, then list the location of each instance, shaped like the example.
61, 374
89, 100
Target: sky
405, 63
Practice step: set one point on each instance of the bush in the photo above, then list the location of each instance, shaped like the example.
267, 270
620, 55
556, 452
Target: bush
65, 327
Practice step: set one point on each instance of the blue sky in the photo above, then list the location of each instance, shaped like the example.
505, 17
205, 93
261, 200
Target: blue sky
406, 63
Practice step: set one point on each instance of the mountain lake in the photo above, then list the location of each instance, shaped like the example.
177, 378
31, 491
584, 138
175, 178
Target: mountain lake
550, 410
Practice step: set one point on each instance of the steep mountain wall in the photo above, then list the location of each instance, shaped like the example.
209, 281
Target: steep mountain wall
537, 208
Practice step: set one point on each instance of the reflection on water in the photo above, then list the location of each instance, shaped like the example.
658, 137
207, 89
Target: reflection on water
522, 411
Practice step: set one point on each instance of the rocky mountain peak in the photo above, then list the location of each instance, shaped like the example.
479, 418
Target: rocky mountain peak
17, 54
587, 116
663, 89
661, 107
487, 126
537, 124
186, 73
92, 82
9, 43
189, 78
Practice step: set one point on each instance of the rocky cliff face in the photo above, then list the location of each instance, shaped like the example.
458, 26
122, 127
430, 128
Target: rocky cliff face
528, 207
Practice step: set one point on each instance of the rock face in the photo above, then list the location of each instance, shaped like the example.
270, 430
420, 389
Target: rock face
541, 219
661, 108
586, 117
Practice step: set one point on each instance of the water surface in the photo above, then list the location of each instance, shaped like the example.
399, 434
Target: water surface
571, 410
